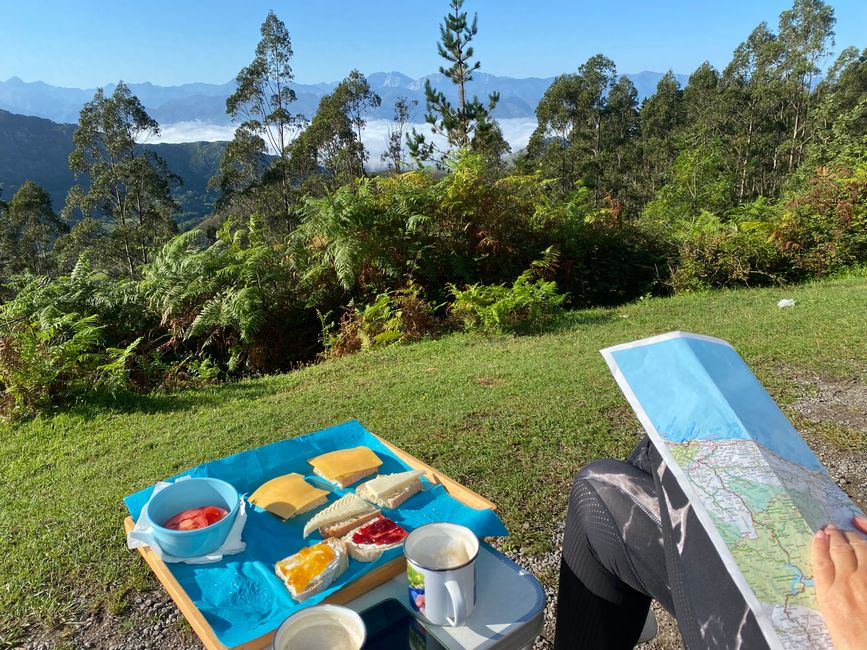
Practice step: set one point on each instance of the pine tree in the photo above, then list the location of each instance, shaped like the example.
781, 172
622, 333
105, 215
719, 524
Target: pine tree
469, 122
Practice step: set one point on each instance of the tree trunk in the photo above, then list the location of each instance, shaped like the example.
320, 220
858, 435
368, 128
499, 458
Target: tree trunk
746, 161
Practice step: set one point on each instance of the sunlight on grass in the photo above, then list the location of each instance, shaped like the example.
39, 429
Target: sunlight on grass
512, 418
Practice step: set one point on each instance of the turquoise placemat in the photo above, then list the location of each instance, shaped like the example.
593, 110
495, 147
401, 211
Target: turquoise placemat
240, 596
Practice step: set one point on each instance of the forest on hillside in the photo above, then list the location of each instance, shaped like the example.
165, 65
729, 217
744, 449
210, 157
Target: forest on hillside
755, 174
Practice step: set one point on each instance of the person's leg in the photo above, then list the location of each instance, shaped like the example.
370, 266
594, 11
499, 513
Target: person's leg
631, 534
613, 558
710, 610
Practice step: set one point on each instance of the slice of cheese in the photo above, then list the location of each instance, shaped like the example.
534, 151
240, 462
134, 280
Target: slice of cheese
385, 485
344, 462
347, 507
287, 495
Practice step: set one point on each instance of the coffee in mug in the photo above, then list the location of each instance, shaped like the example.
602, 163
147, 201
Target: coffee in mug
441, 571
321, 627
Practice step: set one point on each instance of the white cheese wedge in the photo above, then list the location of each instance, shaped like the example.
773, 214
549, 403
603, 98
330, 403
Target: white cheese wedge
385, 485
390, 490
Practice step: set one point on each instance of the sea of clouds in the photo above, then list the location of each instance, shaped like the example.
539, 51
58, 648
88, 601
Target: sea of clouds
517, 132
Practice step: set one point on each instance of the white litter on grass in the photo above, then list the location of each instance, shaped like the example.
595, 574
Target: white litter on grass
786, 302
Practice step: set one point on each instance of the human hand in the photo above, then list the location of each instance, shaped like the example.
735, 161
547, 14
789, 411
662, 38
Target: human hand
840, 570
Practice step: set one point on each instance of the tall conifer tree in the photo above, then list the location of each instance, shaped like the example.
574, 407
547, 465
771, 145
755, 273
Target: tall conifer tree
469, 123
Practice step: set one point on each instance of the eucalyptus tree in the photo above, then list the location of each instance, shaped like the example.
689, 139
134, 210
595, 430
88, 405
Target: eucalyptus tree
754, 101
393, 155
358, 100
620, 162
261, 102
330, 153
569, 141
130, 188
470, 119
28, 228
806, 34
702, 104
662, 118
840, 116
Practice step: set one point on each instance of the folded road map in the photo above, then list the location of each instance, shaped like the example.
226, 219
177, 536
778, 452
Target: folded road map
754, 483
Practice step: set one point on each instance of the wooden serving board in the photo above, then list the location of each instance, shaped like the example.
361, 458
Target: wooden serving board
350, 592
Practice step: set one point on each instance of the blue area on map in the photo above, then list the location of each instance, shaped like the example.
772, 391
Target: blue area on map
696, 389
799, 580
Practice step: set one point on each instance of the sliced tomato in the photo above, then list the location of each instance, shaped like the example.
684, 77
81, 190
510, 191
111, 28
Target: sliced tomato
195, 518
213, 514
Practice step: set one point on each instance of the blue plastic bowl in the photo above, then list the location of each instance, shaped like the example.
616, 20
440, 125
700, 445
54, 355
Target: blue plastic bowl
186, 494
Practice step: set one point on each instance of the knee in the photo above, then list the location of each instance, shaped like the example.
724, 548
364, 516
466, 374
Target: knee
584, 499
593, 496
598, 467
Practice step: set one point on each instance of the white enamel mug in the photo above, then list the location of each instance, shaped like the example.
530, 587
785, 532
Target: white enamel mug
441, 570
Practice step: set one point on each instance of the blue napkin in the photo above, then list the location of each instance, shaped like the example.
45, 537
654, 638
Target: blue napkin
240, 596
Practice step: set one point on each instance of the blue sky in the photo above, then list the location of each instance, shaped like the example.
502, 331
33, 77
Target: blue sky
93, 42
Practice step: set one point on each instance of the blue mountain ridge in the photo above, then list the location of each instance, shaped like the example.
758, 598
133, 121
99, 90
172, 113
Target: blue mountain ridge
206, 102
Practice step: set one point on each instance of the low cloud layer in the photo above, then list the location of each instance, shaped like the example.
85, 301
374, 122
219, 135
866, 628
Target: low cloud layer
195, 131
517, 132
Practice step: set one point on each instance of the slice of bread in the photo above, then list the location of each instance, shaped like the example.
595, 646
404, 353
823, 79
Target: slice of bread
389, 533
347, 479
341, 516
291, 569
400, 487
311, 506
344, 467
342, 527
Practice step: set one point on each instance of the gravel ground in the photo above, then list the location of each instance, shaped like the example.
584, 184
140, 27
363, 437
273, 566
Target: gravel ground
153, 622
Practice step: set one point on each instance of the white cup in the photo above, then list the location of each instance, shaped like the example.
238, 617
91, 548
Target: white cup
441, 570
321, 627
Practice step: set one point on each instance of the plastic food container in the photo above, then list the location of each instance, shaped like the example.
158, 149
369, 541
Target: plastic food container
184, 495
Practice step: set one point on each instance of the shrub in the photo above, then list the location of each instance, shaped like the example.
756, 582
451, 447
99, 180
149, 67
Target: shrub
398, 316
236, 301
712, 253
824, 228
530, 303
153, 370
602, 261
55, 360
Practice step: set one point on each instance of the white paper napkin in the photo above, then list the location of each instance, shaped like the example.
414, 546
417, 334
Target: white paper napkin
143, 535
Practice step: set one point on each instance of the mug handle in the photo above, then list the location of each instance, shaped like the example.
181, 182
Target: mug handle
459, 605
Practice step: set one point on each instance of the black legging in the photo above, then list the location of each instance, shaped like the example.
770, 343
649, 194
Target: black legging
632, 536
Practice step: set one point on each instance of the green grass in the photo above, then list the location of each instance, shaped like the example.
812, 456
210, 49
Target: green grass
513, 418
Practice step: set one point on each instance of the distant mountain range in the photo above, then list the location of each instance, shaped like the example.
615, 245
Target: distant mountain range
207, 102
37, 149
195, 125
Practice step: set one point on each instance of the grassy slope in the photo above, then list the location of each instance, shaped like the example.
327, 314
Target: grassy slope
513, 418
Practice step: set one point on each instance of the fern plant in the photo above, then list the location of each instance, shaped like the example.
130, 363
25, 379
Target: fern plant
54, 360
532, 302
224, 298
398, 316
